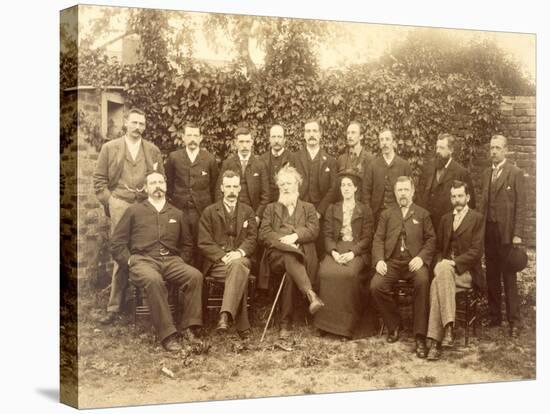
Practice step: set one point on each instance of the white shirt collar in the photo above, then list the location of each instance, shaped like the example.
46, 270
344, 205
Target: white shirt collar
499, 165
388, 162
241, 158
159, 205
228, 205
277, 154
462, 212
313, 153
192, 154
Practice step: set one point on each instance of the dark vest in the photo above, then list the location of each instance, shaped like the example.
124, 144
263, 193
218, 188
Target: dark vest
401, 242
491, 210
389, 196
230, 229
289, 222
314, 195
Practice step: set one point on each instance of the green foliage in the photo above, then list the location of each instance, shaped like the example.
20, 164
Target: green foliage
417, 103
427, 53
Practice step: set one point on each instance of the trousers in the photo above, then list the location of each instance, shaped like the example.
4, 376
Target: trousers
150, 274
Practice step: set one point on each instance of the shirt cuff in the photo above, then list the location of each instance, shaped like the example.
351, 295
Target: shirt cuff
242, 252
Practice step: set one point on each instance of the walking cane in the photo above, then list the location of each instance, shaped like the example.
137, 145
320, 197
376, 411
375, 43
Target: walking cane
273, 307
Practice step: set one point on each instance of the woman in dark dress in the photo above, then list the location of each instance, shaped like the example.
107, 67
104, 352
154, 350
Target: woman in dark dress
348, 229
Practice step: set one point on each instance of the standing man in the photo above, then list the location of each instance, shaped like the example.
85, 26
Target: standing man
403, 248
459, 250
317, 169
438, 177
289, 230
275, 158
227, 240
255, 181
503, 205
192, 173
356, 157
119, 182
381, 175
152, 239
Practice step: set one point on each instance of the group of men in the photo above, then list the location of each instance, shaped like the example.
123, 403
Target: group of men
178, 221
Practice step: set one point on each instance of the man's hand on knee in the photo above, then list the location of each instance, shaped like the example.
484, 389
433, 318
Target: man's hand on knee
382, 267
415, 264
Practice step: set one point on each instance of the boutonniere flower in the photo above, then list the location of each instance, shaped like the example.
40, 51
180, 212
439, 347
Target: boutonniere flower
245, 224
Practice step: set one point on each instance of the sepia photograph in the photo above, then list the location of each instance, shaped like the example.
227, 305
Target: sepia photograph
257, 206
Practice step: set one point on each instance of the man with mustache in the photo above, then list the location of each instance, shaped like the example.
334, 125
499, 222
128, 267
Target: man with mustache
152, 239
227, 240
381, 174
357, 157
255, 181
192, 173
289, 230
403, 248
119, 179
437, 178
275, 158
317, 168
503, 205
459, 251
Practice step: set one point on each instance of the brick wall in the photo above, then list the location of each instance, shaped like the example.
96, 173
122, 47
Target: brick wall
92, 257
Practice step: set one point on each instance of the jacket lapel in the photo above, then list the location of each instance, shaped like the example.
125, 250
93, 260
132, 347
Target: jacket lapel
431, 173
221, 213
503, 176
240, 219
464, 224
299, 212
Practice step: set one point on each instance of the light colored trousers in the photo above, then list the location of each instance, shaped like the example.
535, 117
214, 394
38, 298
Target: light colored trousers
443, 298
119, 280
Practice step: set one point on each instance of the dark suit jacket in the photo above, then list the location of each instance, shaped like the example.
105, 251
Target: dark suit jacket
374, 180
328, 171
307, 229
267, 160
213, 236
361, 163
421, 239
188, 180
111, 161
256, 179
362, 229
469, 244
510, 201
437, 200
141, 228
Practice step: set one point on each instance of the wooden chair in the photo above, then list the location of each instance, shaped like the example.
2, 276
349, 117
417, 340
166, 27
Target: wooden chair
212, 296
467, 301
139, 307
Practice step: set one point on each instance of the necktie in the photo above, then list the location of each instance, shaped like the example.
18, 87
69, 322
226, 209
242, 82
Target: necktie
456, 221
243, 165
438, 174
496, 171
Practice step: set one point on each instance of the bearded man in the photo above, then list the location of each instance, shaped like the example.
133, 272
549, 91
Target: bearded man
438, 177
289, 229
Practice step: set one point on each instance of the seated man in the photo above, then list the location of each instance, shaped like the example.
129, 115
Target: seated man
227, 239
403, 248
153, 241
289, 230
460, 247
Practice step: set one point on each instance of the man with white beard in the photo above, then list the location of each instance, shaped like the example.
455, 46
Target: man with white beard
289, 230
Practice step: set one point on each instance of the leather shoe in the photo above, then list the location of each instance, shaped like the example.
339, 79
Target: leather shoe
393, 336
171, 344
223, 323
314, 302
109, 318
284, 332
514, 332
434, 354
448, 337
421, 349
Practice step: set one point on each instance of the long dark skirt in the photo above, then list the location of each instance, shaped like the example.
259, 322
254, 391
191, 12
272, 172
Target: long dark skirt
340, 289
